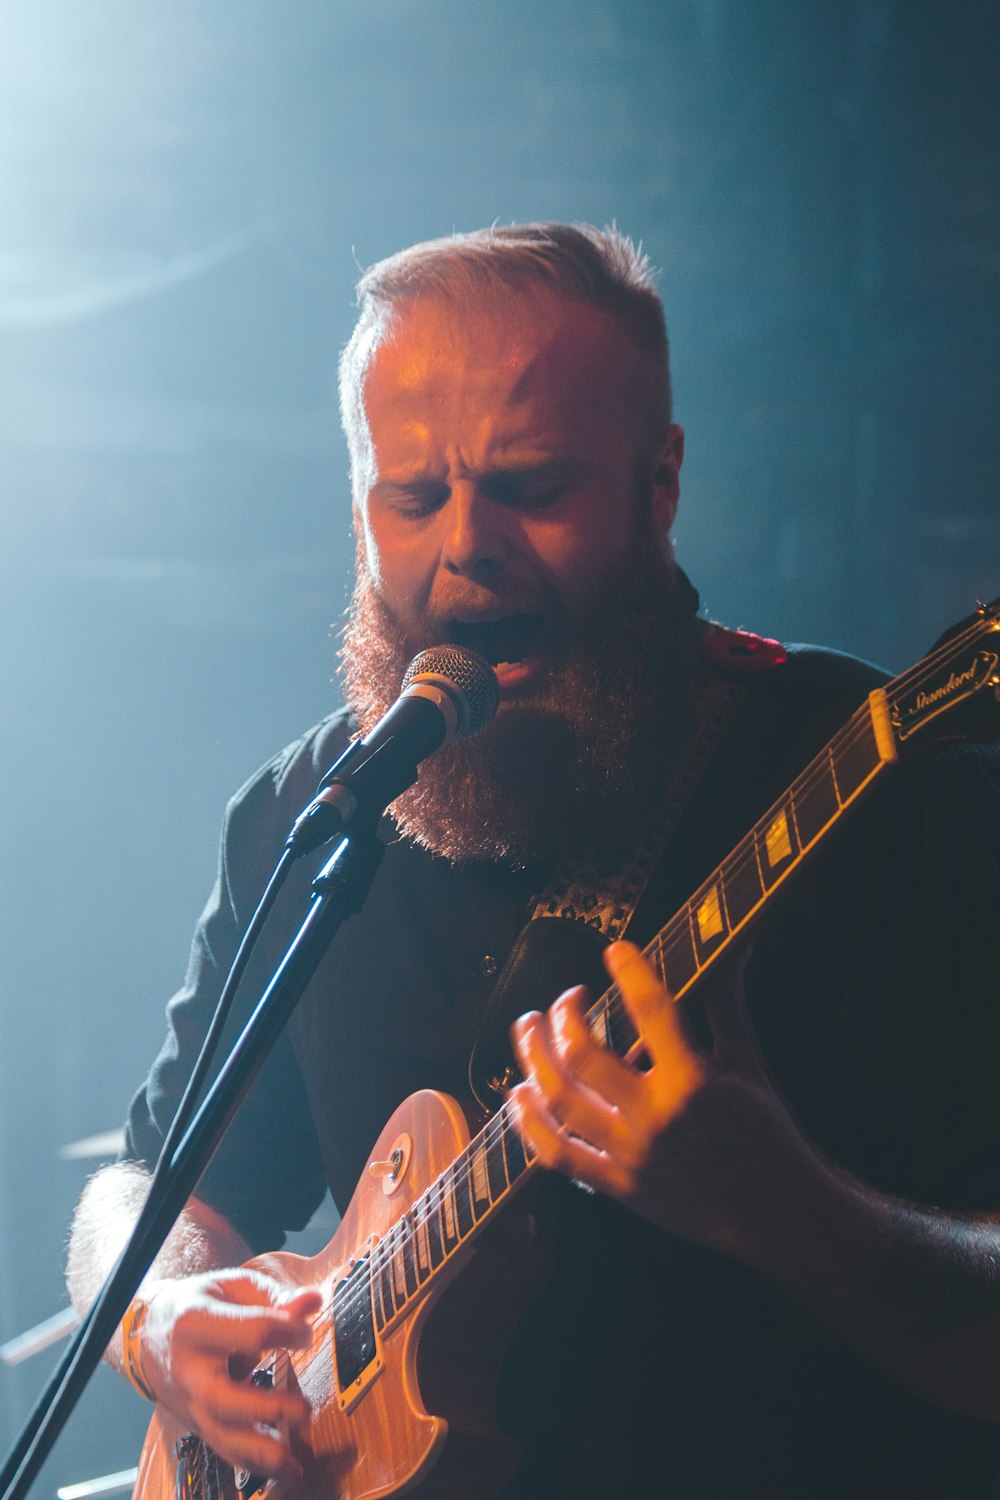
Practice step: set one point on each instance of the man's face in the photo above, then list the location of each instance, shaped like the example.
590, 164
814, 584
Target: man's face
509, 462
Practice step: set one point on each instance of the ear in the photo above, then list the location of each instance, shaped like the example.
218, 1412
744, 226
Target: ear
667, 479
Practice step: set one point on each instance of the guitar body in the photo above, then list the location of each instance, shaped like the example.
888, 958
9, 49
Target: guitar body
425, 1422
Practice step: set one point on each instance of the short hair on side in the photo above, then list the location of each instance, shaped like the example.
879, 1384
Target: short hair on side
600, 266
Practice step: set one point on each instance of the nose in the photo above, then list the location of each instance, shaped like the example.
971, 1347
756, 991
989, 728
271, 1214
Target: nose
477, 541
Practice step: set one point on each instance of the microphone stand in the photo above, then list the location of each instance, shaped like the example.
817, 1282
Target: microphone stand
339, 891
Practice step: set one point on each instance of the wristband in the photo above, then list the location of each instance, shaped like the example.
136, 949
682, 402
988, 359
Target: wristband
131, 1361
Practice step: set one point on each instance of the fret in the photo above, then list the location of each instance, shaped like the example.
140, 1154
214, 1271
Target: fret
816, 799
610, 1024
376, 1290
385, 1281
655, 954
449, 1214
513, 1147
421, 1242
480, 1177
777, 842
855, 755
378, 1311
599, 1019
398, 1259
407, 1254
742, 883
678, 961
463, 1195
709, 922
496, 1166
382, 1313
621, 1032
433, 1222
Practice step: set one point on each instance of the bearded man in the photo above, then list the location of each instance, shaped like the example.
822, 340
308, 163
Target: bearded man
752, 1299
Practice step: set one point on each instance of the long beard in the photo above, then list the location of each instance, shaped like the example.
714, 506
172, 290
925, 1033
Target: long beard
579, 762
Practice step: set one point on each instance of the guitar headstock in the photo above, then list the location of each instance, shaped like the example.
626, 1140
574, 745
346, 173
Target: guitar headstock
954, 693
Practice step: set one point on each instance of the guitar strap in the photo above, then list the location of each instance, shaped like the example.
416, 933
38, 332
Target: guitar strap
594, 896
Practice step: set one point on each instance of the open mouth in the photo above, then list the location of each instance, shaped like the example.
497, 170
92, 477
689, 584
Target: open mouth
506, 641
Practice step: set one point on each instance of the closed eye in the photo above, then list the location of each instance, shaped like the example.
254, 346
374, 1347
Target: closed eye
418, 502
523, 493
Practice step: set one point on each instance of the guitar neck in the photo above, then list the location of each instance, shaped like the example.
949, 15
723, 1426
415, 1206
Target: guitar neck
732, 899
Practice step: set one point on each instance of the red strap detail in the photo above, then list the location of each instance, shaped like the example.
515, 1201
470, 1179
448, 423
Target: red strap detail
740, 651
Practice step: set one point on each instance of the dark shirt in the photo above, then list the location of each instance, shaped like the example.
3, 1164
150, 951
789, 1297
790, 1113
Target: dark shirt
649, 1365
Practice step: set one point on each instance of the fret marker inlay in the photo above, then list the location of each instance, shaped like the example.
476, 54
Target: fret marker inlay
480, 1181
778, 841
709, 914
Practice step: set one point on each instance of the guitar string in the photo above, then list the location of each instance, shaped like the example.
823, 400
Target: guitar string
401, 1236
400, 1239
609, 1007
358, 1288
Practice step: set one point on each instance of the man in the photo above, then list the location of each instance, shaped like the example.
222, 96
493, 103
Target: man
728, 1311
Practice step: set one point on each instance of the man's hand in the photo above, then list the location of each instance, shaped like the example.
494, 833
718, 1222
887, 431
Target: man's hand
701, 1145
202, 1337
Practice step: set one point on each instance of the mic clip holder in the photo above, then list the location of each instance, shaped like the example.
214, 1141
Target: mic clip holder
350, 792
363, 781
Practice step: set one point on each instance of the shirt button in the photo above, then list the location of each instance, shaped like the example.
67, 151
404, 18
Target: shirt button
487, 966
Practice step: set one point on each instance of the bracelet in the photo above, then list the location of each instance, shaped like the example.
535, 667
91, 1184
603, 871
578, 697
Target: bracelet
131, 1362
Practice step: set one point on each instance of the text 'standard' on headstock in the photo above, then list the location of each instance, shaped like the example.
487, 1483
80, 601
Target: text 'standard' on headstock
957, 687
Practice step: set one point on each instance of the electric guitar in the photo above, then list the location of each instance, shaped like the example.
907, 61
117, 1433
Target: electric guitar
402, 1282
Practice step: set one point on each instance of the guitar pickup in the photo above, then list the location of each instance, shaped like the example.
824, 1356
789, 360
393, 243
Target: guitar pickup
357, 1350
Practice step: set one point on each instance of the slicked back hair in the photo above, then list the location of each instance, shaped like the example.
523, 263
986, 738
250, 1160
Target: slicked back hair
482, 268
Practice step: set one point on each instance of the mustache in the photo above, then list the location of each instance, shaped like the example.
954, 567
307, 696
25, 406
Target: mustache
478, 607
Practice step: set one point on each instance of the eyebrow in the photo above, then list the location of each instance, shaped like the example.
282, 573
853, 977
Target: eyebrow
544, 469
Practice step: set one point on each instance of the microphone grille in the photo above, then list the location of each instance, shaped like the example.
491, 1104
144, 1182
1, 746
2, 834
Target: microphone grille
467, 677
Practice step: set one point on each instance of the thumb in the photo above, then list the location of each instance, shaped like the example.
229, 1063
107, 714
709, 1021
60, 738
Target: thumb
301, 1303
254, 1288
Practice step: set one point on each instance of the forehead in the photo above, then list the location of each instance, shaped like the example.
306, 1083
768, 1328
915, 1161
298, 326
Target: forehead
530, 361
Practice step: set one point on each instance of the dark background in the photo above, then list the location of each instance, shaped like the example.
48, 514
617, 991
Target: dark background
187, 190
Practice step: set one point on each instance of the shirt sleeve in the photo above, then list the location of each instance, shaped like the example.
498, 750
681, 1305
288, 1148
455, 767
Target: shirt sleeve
267, 1175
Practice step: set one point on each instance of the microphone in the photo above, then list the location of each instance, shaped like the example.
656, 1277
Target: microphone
448, 693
